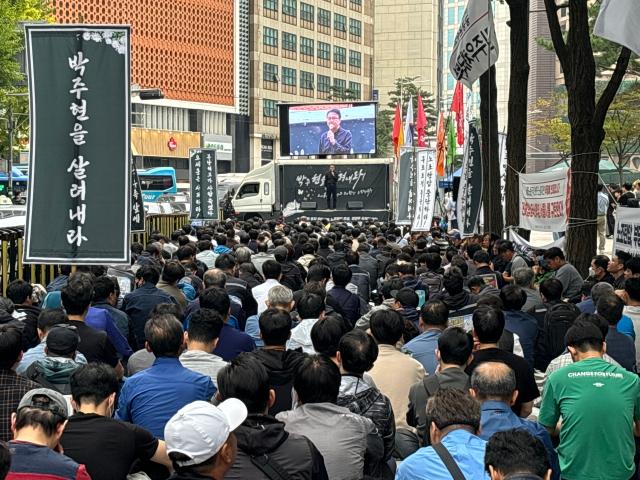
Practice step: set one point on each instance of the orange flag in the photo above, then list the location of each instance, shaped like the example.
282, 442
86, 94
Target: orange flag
398, 140
441, 147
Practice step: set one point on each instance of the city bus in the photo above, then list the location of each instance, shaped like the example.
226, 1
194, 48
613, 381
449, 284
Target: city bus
156, 182
19, 181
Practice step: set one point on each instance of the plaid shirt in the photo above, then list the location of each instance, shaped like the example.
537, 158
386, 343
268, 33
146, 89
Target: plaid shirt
12, 389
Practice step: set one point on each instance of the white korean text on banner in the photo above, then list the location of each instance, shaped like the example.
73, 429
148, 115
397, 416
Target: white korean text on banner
426, 189
469, 200
406, 183
475, 48
627, 232
502, 140
204, 187
79, 202
543, 201
525, 248
137, 202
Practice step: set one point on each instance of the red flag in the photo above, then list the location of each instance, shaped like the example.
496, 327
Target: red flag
421, 124
440, 147
457, 106
397, 130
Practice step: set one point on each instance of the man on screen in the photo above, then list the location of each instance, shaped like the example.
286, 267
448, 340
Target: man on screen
331, 184
336, 140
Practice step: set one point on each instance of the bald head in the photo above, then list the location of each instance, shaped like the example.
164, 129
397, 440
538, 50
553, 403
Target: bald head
214, 277
493, 381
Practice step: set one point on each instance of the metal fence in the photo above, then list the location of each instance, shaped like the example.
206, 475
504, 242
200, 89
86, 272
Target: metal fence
11, 245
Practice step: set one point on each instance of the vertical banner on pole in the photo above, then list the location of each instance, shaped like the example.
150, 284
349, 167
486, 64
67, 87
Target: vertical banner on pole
471, 184
203, 183
502, 140
406, 181
137, 202
78, 208
427, 187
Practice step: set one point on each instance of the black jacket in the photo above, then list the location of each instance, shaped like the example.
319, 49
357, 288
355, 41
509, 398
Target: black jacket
281, 366
372, 267
291, 276
261, 435
345, 303
29, 318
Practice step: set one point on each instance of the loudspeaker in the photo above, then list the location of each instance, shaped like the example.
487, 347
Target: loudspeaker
355, 205
309, 205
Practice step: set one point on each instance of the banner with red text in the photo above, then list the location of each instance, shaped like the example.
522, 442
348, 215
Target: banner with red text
543, 201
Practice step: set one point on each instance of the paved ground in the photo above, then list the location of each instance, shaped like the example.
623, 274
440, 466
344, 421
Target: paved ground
539, 239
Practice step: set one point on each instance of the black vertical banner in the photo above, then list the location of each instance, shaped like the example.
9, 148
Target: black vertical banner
137, 202
471, 184
405, 205
203, 183
78, 208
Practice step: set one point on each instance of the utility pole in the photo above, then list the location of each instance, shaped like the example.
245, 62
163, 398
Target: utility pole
10, 128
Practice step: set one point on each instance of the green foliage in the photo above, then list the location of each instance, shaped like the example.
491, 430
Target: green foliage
341, 94
384, 130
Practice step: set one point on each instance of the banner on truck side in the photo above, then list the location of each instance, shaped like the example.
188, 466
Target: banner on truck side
627, 232
543, 201
78, 207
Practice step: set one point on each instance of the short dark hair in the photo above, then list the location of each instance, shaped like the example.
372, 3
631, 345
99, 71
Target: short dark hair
149, 273
19, 291
513, 297
516, 451
76, 295
453, 281
10, 345
326, 334
551, 289
387, 326
225, 261
455, 346
341, 275
632, 287
216, 299
433, 261
505, 246
407, 297
601, 261
584, 336
318, 272
481, 257
164, 334
173, 271
351, 257
317, 380
93, 383
310, 305
450, 406
610, 307
50, 317
553, 252
42, 418
358, 351
434, 312
337, 112
205, 325
246, 379
488, 324
275, 327
102, 288
170, 308
271, 270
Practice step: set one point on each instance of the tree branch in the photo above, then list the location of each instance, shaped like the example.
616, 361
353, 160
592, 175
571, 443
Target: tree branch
556, 34
609, 93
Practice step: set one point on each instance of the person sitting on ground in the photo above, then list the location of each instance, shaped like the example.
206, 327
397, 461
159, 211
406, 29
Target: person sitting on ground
89, 435
55, 370
455, 297
520, 323
523, 277
453, 429
201, 339
517, 455
106, 298
453, 355
357, 353
194, 452
311, 309
272, 272
493, 384
326, 335
433, 321
172, 273
619, 346
20, 293
150, 397
406, 304
349, 443
566, 273
261, 435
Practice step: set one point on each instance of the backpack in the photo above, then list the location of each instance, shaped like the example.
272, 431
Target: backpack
558, 319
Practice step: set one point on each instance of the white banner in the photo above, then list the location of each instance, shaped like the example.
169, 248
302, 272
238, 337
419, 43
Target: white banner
525, 248
502, 140
619, 21
427, 187
476, 46
627, 232
543, 201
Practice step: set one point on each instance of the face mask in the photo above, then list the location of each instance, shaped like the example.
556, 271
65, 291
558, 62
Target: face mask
592, 272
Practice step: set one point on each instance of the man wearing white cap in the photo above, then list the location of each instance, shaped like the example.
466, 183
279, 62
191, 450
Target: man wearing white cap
200, 440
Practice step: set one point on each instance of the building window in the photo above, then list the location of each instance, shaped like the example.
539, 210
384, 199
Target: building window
269, 72
324, 83
451, 36
339, 54
306, 80
339, 22
356, 2
288, 76
339, 85
289, 42
356, 90
449, 82
355, 5
355, 27
451, 16
324, 51
270, 37
460, 13
306, 46
324, 17
270, 5
290, 7
355, 59
269, 108
306, 12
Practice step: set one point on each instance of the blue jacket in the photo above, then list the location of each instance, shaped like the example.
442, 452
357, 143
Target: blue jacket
345, 303
138, 305
526, 327
232, 342
622, 349
423, 349
101, 320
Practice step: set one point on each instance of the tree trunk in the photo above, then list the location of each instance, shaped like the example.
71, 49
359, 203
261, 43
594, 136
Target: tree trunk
493, 221
517, 126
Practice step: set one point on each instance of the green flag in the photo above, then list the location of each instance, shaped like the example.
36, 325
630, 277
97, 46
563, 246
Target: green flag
451, 141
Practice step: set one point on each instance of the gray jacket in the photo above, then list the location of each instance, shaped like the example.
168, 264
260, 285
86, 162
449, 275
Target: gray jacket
343, 438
